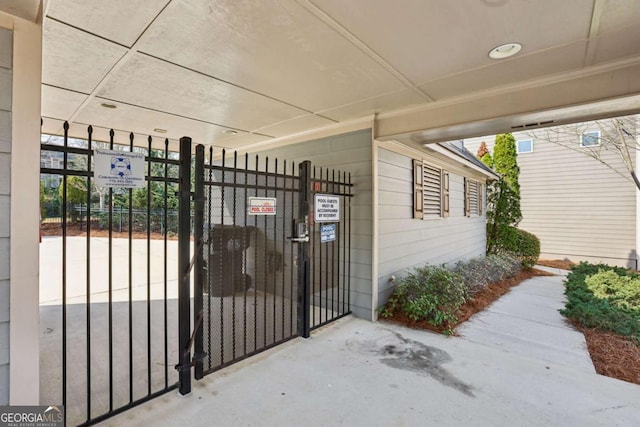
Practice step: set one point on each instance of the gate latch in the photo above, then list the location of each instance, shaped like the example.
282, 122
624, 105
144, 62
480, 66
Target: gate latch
301, 231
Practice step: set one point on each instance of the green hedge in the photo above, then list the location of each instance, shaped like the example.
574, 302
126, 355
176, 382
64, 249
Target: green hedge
604, 297
435, 293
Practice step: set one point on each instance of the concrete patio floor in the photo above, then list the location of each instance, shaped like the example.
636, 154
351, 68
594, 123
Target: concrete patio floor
517, 363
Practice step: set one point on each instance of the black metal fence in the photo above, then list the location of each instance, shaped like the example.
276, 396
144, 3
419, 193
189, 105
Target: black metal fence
112, 321
263, 270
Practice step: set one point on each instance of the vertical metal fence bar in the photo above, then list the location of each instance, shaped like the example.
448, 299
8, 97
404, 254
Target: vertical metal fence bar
233, 257
321, 265
244, 256
313, 243
198, 230
294, 289
130, 227
209, 258
110, 279
88, 290
333, 254
303, 254
264, 259
343, 227
284, 228
255, 263
338, 232
349, 249
274, 255
165, 258
184, 243
64, 268
221, 257
149, 183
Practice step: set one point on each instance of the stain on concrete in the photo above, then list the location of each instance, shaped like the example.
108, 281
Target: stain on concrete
403, 353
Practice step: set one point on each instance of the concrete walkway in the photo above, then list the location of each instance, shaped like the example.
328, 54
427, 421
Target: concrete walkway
516, 364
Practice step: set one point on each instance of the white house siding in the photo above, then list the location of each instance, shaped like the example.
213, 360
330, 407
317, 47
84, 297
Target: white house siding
579, 208
351, 153
6, 44
405, 242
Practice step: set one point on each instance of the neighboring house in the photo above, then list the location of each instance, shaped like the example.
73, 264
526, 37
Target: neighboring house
411, 207
580, 208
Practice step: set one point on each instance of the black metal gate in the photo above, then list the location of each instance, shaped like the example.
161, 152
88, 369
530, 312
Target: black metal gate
264, 272
254, 269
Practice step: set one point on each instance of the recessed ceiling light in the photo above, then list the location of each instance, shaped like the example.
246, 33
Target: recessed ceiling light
230, 132
505, 51
158, 130
107, 105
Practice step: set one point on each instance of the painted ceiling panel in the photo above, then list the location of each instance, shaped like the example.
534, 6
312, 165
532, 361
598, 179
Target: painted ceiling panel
119, 20
299, 124
276, 48
617, 14
617, 45
509, 71
387, 102
59, 103
75, 60
144, 121
155, 84
427, 40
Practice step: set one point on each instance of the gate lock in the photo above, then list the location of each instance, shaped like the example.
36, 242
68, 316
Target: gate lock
300, 231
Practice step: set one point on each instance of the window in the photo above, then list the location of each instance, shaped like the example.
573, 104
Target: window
590, 139
431, 191
524, 146
473, 191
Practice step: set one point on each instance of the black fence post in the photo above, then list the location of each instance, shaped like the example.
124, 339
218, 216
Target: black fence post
304, 277
184, 243
198, 220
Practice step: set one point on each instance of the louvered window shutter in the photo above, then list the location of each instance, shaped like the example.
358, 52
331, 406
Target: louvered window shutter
480, 205
418, 197
467, 210
445, 194
431, 191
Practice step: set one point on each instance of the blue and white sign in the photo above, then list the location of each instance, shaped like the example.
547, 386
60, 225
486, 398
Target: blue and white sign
327, 233
118, 169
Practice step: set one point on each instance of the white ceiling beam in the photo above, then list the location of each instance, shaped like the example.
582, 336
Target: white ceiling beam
579, 89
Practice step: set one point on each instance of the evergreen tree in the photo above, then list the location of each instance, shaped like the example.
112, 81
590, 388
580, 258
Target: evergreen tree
503, 198
505, 161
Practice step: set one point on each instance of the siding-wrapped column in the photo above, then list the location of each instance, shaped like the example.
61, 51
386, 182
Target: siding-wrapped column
25, 213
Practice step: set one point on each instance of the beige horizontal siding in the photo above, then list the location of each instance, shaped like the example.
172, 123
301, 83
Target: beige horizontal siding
578, 207
404, 242
350, 153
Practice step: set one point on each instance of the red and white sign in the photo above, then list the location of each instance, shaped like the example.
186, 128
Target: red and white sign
261, 206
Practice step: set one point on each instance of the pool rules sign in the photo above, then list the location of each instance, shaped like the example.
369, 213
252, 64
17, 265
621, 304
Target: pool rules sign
326, 208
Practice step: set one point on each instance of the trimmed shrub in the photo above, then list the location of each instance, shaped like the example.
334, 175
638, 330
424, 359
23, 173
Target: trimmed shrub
477, 273
604, 297
429, 293
527, 248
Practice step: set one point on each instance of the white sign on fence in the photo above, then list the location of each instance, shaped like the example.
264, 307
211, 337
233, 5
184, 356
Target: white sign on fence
118, 169
262, 206
326, 208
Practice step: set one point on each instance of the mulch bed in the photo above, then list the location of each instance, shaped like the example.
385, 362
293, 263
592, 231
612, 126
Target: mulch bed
612, 355
481, 301
563, 264
75, 230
